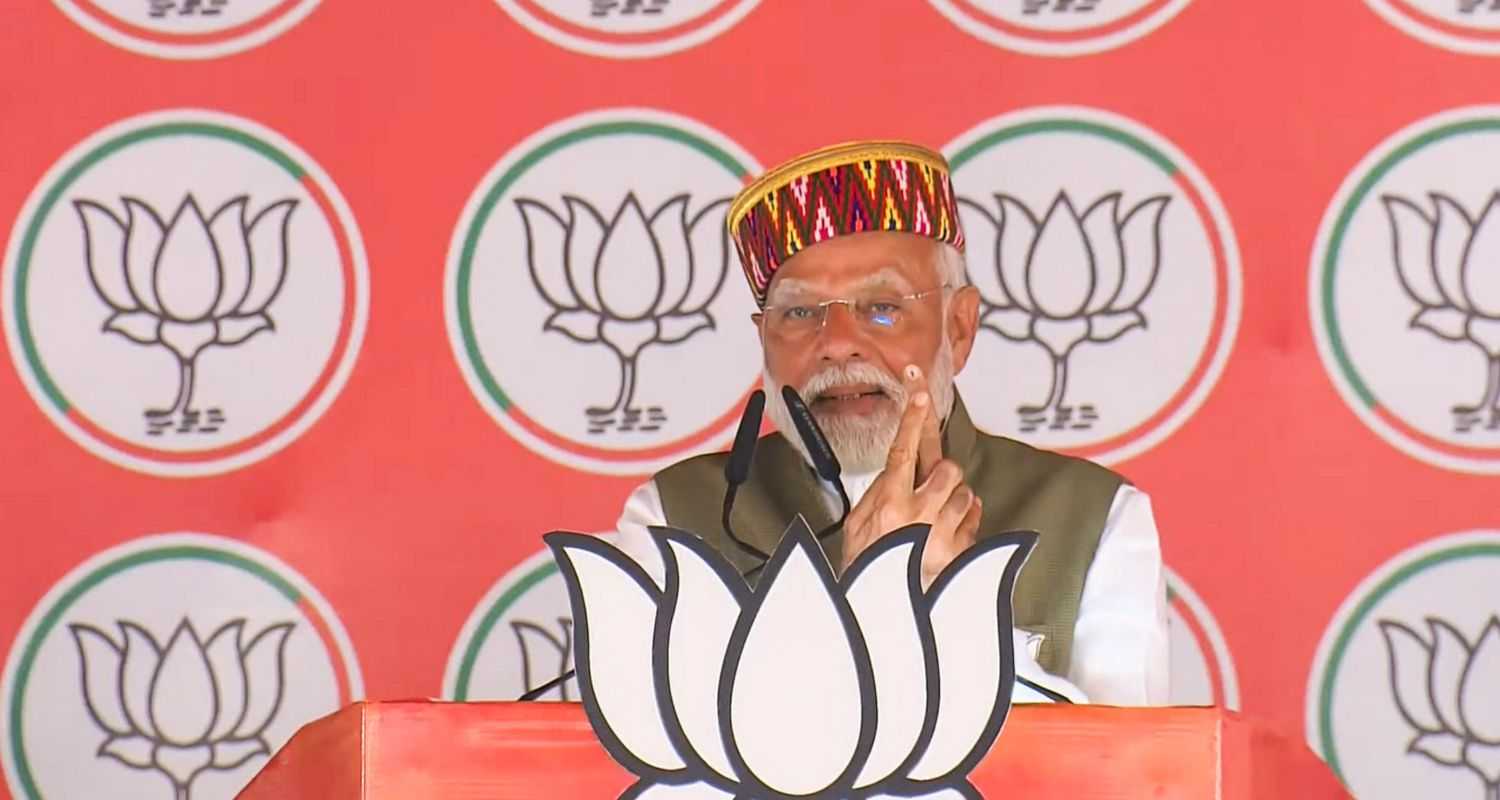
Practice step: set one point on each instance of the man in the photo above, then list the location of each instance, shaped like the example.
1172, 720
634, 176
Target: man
854, 254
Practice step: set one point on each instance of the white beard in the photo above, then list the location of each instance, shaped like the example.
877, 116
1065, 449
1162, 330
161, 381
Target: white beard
862, 444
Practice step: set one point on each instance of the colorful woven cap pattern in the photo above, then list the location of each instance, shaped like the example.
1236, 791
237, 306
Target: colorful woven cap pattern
838, 190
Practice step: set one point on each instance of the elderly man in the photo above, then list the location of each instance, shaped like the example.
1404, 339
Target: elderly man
854, 254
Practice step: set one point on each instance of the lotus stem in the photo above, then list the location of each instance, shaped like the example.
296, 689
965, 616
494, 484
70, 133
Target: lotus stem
1059, 382
179, 791
627, 385
1491, 386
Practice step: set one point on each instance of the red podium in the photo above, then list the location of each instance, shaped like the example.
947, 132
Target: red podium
522, 751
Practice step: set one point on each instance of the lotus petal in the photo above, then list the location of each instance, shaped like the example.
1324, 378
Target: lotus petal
800, 663
1444, 748
881, 586
586, 229
100, 660
982, 232
971, 625
1447, 322
1451, 231
614, 608
668, 791
137, 326
1018, 232
1411, 247
184, 704
1409, 657
265, 679
135, 751
579, 325
231, 754
1060, 273
545, 657
233, 330
144, 232
708, 247
1102, 229
669, 229
1481, 274
700, 604
268, 237
1450, 655
1140, 236
227, 226
189, 278
678, 327
141, 658
223, 650
1012, 323
630, 271
1109, 326
1479, 691
546, 253
104, 252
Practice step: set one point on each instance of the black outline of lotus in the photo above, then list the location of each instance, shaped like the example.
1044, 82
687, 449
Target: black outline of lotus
569, 282
126, 709
527, 632
1442, 284
907, 766
1099, 313
1450, 729
143, 307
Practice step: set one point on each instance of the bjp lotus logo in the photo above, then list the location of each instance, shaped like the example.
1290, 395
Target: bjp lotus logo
1448, 263
859, 687
185, 707
626, 282
186, 284
1445, 687
1066, 279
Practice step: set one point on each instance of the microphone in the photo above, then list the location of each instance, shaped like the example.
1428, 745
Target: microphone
825, 463
737, 468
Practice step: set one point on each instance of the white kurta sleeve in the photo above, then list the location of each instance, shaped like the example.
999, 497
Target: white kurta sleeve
642, 509
1120, 639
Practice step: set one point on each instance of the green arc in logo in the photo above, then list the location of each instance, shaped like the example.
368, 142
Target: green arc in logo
1151, 154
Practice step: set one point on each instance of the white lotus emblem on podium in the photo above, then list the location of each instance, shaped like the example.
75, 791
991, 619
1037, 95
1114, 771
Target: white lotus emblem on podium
857, 688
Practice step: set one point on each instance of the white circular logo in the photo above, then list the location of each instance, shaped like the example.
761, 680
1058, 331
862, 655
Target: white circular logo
1404, 696
1464, 26
1405, 293
1202, 670
186, 28
1109, 278
168, 667
185, 293
592, 299
627, 28
1059, 27
518, 639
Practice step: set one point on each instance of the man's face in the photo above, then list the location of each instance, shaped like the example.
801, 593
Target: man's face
849, 369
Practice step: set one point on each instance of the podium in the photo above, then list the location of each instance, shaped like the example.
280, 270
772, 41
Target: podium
522, 751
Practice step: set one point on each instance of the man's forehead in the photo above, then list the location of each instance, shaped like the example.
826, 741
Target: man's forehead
894, 260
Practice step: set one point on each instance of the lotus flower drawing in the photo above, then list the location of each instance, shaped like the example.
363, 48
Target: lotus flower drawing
627, 282
855, 688
1448, 690
1448, 262
1064, 279
187, 706
186, 283
545, 656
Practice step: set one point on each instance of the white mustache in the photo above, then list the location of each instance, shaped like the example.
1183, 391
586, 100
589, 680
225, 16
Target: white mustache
844, 374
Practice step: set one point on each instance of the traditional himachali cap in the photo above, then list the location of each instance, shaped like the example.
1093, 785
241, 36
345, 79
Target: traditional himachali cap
838, 190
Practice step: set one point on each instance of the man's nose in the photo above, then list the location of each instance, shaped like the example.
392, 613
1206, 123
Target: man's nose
841, 337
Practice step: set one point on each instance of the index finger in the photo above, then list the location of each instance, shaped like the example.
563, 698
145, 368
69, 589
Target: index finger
901, 462
930, 445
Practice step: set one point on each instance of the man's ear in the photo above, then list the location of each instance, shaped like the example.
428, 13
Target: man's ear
760, 330
963, 324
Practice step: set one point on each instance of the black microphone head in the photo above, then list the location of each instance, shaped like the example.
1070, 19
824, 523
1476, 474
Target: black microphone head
737, 468
824, 461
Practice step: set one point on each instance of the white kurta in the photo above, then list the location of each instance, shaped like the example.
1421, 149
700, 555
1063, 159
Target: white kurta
1120, 639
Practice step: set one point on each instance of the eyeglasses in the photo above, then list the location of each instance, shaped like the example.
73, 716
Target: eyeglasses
883, 313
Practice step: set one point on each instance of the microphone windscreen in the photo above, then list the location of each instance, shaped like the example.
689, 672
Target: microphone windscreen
737, 468
824, 461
